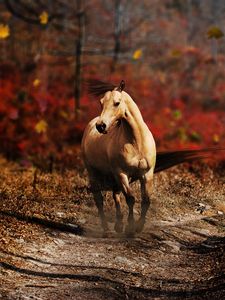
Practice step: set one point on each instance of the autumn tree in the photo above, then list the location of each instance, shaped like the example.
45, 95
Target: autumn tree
52, 15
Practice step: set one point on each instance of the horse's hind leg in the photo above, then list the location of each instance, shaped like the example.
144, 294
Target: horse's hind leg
146, 190
119, 216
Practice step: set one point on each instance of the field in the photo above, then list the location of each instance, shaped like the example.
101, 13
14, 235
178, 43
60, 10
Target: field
52, 245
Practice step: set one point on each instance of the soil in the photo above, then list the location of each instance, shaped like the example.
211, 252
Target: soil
52, 245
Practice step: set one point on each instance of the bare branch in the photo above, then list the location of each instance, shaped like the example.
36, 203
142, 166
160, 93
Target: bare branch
10, 7
35, 14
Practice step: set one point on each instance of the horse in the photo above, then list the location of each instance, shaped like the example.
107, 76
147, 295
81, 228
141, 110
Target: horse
118, 148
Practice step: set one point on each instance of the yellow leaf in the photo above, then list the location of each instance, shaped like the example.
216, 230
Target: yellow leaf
137, 54
4, 31
215, 32
36, 82
41, 126
44, 18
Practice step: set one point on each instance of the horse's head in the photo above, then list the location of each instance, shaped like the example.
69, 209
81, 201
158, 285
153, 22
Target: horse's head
113, 109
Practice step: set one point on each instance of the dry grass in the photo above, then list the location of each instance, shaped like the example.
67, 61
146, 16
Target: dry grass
64, 196
179, 240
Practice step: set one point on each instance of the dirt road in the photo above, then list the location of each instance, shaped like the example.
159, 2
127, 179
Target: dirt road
52, 246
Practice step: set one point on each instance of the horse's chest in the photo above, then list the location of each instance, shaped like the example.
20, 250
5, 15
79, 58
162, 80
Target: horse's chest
127, 157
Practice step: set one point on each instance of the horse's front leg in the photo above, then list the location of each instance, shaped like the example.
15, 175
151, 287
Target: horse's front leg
130, 229
119, 216
95, 188
99, 203
146, 191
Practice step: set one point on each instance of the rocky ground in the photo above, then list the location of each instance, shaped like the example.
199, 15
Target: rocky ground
52, 247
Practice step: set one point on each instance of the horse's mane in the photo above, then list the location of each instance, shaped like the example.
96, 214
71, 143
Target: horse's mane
97, 87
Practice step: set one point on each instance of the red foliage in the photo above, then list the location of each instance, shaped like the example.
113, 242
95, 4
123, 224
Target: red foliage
38, 120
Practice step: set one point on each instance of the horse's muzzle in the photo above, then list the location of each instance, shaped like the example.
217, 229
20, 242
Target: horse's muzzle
101, 127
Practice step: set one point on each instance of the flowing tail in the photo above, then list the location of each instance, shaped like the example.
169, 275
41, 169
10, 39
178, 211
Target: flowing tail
166, 160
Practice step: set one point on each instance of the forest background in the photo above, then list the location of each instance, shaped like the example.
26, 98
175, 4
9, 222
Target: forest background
170, 54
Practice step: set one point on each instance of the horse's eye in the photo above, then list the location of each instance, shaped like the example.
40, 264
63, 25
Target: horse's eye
116, 103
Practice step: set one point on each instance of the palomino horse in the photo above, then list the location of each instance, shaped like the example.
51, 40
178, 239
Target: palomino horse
118, 148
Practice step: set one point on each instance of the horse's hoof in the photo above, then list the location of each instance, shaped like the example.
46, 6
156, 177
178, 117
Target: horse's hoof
130, 231
118, 227
139, 226
106, 234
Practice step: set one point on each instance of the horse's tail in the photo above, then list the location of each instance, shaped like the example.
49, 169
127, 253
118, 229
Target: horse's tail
168, 159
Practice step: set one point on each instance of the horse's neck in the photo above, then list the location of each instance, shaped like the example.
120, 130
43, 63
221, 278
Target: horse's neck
135, 121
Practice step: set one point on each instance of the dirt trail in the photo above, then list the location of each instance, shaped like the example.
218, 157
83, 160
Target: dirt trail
180, 254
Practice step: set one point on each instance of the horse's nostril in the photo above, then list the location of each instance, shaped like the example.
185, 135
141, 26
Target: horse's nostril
98, 127
101, 127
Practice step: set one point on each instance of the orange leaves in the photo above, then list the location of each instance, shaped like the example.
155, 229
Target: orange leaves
41, 126
208, 124
4, 31
13, 113
38, 119
44, 18
7, 93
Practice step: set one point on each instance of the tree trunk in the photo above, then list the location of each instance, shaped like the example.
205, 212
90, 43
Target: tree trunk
117, 34
79, 48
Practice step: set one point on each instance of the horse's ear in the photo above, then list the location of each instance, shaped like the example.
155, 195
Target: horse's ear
121, 86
